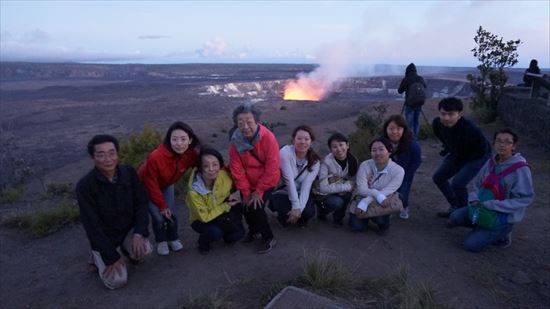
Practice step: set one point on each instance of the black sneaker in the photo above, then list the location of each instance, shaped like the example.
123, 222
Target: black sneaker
204, 250
445, 214
249, 238
266, 246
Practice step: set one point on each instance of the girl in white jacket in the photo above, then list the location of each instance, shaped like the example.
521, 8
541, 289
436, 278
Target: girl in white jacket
299, 168
336, 179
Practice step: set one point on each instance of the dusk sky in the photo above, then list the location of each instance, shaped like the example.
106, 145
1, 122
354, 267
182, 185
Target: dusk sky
424, 32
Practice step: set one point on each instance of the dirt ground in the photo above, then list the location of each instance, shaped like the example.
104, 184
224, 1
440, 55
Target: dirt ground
51, 272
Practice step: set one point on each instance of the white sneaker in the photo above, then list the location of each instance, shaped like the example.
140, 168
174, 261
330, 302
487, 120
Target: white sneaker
404, 214
162, 248
175, 245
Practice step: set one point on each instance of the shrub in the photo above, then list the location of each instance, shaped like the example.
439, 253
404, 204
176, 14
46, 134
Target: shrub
368, 127
425, 132
60, 189
45, 221
12, 194
135, 149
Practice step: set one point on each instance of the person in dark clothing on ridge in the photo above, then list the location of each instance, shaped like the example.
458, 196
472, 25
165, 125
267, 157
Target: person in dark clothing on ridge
533, 69
465, 149
112, 203
414, 87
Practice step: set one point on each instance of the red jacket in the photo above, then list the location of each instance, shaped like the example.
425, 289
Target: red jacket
248, 173
162, 168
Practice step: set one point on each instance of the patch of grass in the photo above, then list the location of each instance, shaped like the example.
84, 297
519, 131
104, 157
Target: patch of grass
214, 300
137, 146
45, 221
323, 271
60, 189
12, 194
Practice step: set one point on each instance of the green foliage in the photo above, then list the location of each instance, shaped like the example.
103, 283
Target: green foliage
135, 149
12, 194
324, 272
368, 128
60, 189
425, 132
216, 300
45, 221
494, 56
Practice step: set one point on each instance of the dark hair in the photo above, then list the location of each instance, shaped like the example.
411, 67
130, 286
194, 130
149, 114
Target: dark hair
352, 160
178, 125
312, 156
209, 151
244, 108
100, 139
515, 137
384, 141
405, 140
533, 64
450, 104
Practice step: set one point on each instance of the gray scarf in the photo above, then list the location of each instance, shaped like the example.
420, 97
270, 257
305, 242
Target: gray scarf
242, 143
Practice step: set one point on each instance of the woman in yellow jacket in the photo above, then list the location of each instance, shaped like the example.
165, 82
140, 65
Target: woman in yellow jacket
213, 212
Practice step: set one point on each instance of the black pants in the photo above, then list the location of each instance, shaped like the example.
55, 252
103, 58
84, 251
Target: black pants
281, 204
335, 203
257, 219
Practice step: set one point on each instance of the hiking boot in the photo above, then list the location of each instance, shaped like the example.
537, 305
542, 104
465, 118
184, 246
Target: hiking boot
175, 245
404, 214
506, 241
266, 246
249, 238
204, 250
162, 248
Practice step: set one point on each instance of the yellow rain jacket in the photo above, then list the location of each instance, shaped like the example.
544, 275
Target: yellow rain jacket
207, 206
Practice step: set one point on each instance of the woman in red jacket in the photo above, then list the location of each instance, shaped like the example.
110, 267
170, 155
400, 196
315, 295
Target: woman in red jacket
162, 168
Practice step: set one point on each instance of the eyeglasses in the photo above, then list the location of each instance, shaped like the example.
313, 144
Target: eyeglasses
504, 142
102, 156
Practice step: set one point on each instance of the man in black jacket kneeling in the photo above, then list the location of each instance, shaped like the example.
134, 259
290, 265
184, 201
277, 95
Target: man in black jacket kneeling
112, 203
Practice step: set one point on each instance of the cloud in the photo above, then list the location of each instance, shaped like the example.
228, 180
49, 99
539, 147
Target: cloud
153, 37
35, 36
16, 51
213, 48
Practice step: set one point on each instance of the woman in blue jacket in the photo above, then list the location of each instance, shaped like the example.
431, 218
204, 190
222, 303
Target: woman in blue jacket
406, 153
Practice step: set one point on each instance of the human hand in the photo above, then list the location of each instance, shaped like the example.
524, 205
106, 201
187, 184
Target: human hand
234, 198
293, 216
255, 200
114, 269
167, 213
137, 246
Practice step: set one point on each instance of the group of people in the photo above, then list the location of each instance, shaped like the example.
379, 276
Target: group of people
293, 182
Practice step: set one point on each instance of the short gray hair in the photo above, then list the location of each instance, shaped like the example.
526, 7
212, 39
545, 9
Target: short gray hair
244, 108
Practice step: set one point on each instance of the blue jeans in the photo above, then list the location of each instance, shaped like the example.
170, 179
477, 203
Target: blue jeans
404, 191
412, 114
479, 238
157, 220
359, 225
211, 231
335, 203
280, 203
462, 173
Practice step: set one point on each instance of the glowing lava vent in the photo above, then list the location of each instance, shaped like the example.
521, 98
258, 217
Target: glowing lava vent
304, 89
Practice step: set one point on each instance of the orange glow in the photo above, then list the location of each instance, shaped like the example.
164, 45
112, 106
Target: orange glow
303, 89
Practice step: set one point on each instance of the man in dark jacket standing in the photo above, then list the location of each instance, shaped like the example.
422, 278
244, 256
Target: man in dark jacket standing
112, 203
465, 149
414, 87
